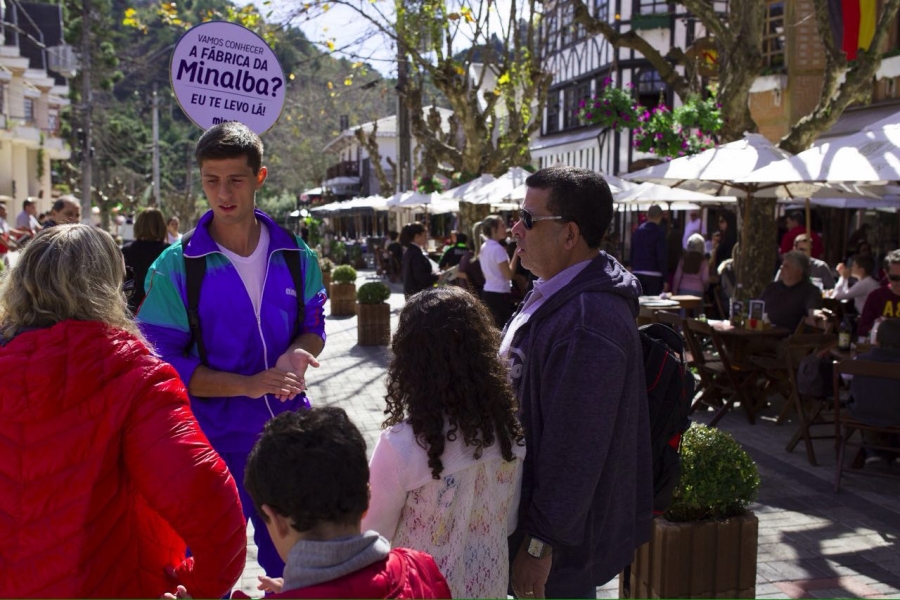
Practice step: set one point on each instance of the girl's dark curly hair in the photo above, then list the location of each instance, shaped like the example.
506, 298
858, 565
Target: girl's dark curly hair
446, 366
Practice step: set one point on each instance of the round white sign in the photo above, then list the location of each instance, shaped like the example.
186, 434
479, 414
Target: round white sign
222, 71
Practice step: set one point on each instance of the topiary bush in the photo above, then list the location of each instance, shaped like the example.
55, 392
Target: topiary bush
344, 274
373, 292
326, 265
718, 478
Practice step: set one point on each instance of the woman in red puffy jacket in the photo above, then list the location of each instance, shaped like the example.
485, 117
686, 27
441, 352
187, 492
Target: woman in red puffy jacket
105, 476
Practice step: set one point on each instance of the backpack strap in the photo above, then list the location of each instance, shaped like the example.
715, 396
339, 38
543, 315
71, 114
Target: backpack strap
292, 259
195, 271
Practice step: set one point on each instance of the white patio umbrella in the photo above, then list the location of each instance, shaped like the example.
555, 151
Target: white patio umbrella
459, 192
648, 193
871, 155
500, 189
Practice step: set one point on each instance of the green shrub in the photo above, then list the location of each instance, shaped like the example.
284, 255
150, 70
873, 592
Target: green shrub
326, 265
718, 478
373, 292
344, 274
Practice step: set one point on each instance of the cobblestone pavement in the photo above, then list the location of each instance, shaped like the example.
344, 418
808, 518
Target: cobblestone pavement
812, 543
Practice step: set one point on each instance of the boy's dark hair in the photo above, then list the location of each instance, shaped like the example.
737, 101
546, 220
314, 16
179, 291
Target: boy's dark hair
410, 231
461, 238
579, 195
230, 139
311, 467
888, 336
393, 235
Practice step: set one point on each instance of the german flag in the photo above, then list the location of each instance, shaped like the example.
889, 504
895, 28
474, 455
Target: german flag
853, 24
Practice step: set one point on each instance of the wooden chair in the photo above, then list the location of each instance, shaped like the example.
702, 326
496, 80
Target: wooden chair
672, 319
846, 424
808, 408
714, 387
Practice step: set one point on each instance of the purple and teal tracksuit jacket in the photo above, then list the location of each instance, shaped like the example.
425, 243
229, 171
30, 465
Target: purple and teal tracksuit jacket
237, 339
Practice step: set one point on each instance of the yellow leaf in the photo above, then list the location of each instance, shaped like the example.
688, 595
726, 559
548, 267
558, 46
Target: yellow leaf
496, 91
330, 86
348, 81
460, 70
330, 45
503, 78
129, 13
291, 76
356, 65
469, 17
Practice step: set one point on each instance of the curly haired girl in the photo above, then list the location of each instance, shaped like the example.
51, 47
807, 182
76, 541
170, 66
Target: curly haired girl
446, 474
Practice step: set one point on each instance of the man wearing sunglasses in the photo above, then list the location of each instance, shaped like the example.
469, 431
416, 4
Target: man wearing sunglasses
577, 369
885, 301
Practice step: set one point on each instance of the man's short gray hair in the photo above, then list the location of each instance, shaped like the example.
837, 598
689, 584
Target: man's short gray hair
800, 260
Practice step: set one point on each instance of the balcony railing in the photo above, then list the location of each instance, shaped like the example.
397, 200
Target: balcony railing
346, 168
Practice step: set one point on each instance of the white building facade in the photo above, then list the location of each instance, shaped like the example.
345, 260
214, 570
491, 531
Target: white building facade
32, 97
580, 64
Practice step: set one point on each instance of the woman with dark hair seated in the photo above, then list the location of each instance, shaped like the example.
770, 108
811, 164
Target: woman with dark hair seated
107, 474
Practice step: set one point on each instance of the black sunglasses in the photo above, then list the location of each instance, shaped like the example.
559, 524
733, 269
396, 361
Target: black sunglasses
529, 220
894, 277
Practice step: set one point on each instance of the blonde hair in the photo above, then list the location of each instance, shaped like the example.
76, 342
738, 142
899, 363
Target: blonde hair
150, 225
484, 230
66, 272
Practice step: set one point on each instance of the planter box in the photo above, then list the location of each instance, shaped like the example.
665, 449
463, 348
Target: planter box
374, 324
326, 282
343, 299
707, 559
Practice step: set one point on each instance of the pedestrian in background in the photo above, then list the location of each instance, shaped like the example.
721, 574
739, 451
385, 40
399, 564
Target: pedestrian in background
418, 270
496, 266
446, 473
649, 254
112, 473
692, 274
149, 242
173, 234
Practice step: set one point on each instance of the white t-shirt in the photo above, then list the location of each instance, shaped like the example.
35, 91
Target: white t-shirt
174, 238
490, 257
4, 226
252, 269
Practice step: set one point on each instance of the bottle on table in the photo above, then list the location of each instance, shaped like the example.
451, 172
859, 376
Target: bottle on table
845, 334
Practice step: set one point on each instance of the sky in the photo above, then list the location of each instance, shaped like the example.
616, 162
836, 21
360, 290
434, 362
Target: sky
351, 33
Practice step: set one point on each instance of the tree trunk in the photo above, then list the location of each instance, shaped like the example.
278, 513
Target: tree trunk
469, 214
758, 246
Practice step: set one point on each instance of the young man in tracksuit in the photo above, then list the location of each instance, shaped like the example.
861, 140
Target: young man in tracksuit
256, 351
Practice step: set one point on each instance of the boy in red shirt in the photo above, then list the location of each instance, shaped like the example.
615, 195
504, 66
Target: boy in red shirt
884, 301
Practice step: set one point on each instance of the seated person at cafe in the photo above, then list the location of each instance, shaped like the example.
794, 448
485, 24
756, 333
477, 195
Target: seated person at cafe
861, 271
885, 301
796, 225
876, 401
455, 251
818, 269
793, 297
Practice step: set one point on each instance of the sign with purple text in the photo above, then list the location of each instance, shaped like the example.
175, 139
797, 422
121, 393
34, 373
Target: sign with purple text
222, 71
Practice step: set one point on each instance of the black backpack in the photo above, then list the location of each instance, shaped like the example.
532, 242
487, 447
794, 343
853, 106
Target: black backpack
195, 271
670, 389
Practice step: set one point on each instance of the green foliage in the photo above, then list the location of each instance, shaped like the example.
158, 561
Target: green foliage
344, 274
686, 130
428, 185
373, 292
314, 226
277, 206
718, 478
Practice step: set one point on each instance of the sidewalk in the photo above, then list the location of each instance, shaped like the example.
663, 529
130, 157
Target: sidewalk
812, 543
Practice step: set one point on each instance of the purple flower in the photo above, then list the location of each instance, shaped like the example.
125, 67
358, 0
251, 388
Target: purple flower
626, 117
581, 104
596, 105
589, 116
658, 136
606, 103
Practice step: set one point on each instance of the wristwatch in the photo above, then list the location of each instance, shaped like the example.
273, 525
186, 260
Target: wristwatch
536, 548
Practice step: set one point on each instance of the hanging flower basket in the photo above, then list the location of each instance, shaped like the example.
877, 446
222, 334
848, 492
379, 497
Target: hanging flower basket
613, 107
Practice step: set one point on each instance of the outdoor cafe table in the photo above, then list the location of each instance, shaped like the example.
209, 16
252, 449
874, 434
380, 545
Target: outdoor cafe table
650, 305
740, 345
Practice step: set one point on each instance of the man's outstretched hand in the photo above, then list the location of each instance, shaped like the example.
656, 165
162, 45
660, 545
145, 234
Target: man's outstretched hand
295, 361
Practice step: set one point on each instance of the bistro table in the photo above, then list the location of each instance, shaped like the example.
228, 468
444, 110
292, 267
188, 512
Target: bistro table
650, 305
739, 347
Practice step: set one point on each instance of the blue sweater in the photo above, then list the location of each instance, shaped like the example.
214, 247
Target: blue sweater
648, 249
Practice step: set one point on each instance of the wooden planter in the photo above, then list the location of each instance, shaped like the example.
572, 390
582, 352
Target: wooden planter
707, 559
343, 299
374, 324
326, 282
